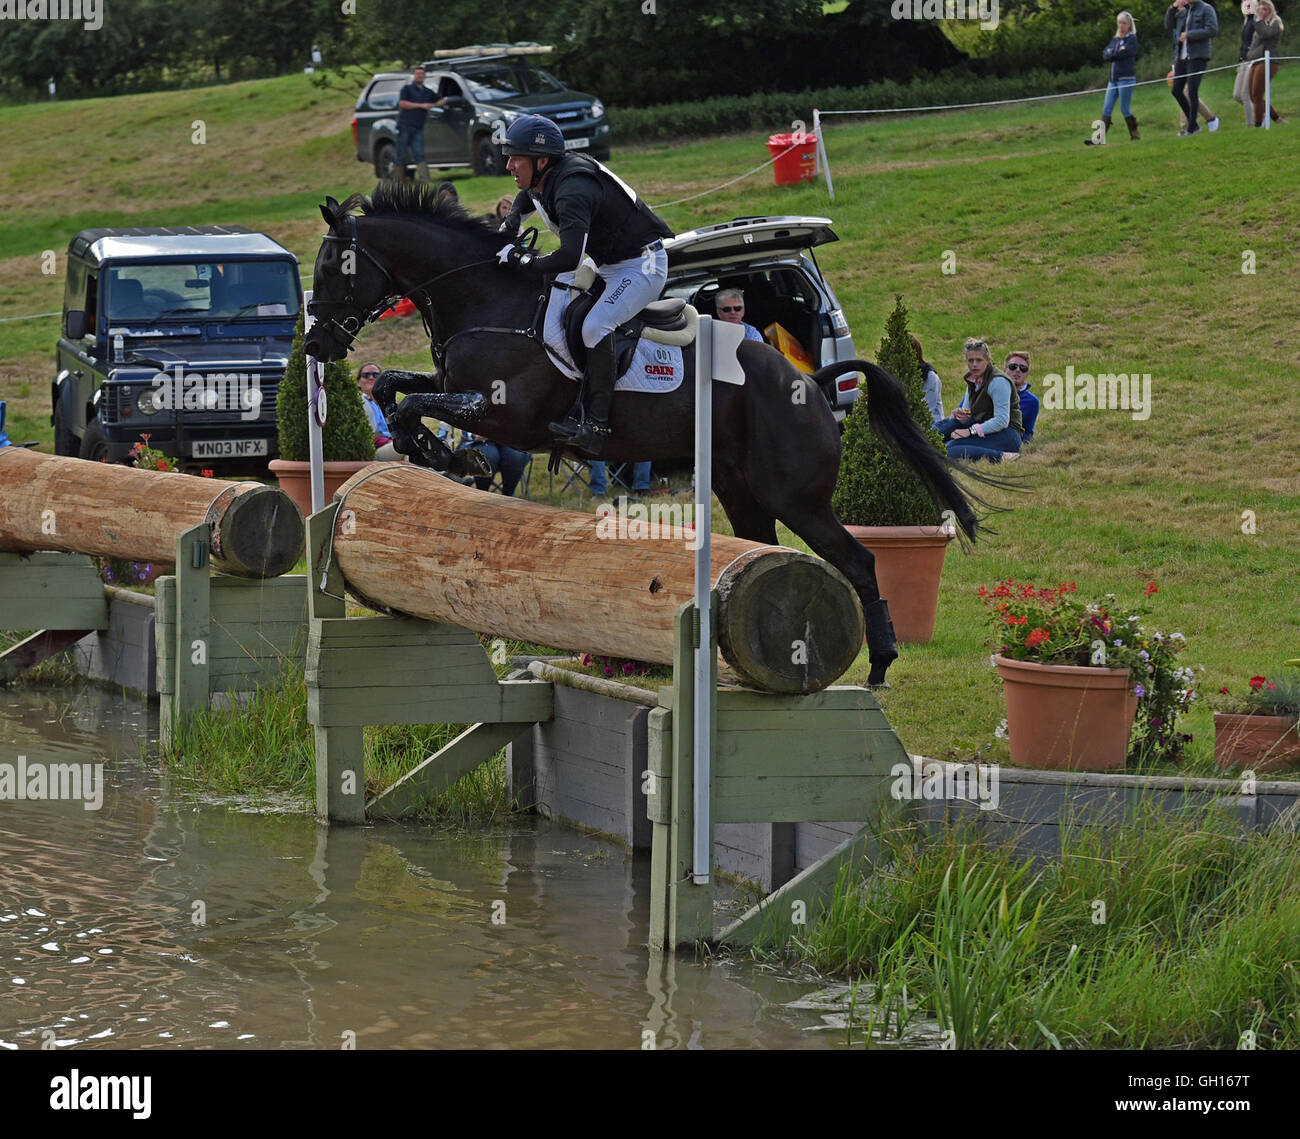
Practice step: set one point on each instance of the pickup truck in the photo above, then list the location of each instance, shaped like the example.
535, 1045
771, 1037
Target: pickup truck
486, 90
177, 334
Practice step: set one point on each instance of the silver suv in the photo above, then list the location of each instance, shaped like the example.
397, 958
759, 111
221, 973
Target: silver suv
771, 260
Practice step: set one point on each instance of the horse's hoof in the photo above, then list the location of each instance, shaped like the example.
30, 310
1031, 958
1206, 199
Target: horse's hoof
876, 679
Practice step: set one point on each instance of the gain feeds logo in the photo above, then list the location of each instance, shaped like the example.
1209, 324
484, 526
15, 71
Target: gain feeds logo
89, 12
985, 11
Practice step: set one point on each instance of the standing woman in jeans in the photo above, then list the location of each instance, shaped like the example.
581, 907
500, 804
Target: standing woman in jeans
987, 424
1268, 34
1122, 52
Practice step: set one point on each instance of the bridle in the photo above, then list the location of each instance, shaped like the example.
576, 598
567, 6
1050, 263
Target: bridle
350, 326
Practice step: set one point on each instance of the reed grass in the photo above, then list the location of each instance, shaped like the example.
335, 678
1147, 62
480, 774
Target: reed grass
1170, 931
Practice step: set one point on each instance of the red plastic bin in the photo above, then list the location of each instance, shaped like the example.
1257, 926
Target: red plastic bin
796, 158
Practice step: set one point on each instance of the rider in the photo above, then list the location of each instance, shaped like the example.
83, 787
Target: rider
594, 212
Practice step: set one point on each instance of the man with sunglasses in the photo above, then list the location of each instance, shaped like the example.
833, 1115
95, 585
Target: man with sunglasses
1017, 369
730, 304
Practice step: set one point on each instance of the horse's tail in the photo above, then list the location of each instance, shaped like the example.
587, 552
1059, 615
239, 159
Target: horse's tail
891, 419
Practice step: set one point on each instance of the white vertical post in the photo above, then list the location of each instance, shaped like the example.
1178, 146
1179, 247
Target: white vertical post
701, 751
316, 412
1268, 92
822, 160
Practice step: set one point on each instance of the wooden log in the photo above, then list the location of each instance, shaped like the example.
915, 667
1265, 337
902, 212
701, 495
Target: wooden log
49, 502
409, 541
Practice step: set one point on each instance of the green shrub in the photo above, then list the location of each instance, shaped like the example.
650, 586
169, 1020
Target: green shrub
775, 110
875, 487
346, 435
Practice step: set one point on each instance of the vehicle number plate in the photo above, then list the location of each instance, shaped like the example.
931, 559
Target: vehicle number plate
229, 448
576, 143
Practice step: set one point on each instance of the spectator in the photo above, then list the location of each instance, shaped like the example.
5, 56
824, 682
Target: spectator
367, 374
987, 423
1122, 52
932, 384
507, 460
730, 304
599, 478
500, 211
1202, 108
1268, 34
414, 101
1194, 24
1241, 87
1017, 368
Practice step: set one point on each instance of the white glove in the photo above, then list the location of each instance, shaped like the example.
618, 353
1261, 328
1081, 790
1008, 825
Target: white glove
504, 255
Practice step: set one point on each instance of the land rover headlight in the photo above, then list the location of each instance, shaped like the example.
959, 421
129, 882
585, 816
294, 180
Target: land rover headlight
147, 402
597, 109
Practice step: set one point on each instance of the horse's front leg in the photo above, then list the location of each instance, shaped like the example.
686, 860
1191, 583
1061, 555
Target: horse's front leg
411, 437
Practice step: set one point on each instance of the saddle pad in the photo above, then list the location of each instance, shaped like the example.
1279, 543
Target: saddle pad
654, 368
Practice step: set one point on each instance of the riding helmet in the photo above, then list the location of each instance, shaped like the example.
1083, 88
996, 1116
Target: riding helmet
533, 136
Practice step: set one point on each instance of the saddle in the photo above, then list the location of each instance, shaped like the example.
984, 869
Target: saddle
669, 321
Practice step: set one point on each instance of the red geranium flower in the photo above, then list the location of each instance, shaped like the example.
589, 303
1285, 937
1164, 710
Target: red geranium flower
1037, 637
1151, 588
1258, 682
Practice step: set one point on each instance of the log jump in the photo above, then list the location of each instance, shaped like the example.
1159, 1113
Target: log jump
409, 541
49, 502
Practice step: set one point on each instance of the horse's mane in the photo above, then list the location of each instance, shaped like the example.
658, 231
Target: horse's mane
418, 200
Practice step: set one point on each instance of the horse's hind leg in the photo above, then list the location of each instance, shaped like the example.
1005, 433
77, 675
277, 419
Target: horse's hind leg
828, 539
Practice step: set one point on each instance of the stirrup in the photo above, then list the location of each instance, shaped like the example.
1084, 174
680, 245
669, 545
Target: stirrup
590, 439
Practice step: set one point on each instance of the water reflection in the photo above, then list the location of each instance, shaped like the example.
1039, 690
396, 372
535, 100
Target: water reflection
164, 920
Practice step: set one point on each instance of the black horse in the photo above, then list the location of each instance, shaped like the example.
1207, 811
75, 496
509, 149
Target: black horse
776, 445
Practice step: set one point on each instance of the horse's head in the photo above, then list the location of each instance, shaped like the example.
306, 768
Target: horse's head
350, 286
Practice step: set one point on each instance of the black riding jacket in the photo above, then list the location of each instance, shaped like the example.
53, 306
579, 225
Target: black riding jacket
594, 210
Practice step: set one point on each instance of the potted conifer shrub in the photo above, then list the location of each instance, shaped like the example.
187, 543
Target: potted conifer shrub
885, 505
346, 437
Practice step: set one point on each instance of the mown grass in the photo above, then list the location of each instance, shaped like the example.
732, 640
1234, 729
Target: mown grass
1124, 258
1171, 932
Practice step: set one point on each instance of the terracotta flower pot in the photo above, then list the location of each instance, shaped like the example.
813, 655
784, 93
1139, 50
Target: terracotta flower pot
1260, 743
1065, 717
295, 478
909, 563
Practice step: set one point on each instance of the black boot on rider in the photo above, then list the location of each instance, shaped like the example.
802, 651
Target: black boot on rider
882, 647
589, 437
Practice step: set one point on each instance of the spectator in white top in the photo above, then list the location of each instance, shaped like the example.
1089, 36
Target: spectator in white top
933, 386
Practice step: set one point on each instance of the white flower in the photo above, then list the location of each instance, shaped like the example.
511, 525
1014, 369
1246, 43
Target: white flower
1000, 732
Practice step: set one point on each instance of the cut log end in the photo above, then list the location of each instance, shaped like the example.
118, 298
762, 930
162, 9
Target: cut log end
788, 622
261, 534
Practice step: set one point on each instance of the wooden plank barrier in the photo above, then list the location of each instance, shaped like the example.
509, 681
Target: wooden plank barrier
409, 541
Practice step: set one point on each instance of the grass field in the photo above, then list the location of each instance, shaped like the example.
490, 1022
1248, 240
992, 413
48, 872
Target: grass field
1124, 258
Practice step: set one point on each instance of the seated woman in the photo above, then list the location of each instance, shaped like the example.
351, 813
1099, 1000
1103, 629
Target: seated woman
933, 386
987, 423
367, 374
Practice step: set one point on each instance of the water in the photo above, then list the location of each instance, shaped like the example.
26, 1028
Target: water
165, 919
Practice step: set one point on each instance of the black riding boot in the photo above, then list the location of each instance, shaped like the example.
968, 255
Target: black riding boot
589, 436
882, 647
1105, 126
1132, 122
